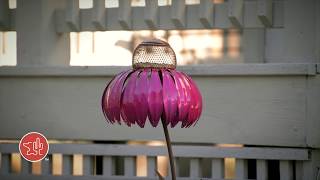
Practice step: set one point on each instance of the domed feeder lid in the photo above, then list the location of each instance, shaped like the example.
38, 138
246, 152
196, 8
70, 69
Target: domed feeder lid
154, 53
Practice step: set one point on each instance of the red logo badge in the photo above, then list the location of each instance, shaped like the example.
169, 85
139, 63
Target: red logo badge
33, 146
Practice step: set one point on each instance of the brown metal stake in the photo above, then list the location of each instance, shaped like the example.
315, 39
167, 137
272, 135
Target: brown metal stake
168, 141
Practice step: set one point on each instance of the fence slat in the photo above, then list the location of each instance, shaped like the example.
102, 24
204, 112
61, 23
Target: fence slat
241, 169
5, 164
151, 13
177, 164
57, 164
4, 14
129, 166
206, 13
235, 12
286, 170
178, 13
99, 14
67, 164
72, 15
125, 14
195, 167
217, 168
88, 165
46, 165
265, 12
26, 166
107, 166
262, 170
151, 166
299, 170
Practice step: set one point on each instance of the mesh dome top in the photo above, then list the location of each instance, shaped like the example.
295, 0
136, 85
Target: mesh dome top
154, 53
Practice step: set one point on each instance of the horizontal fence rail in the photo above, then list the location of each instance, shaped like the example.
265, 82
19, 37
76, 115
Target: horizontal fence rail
120, 161
269, 69
180, 151
179, 15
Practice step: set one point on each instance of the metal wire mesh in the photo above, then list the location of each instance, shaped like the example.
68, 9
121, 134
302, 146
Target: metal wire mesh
154, 53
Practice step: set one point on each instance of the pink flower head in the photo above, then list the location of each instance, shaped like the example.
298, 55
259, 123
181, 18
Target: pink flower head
153, 89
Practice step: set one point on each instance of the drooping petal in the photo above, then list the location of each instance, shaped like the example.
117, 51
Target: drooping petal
155, 98
184, 96
107, 103
170, 98
104, 100
198, 98
189, 98
141, 98
196, 103
128, 113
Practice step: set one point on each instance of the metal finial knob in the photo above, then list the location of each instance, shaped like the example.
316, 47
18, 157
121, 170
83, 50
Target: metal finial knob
154, 53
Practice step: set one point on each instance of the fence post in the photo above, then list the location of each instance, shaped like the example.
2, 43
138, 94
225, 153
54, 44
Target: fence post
37, 40
309, 169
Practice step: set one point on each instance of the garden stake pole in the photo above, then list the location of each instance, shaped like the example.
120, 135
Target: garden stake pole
168, 141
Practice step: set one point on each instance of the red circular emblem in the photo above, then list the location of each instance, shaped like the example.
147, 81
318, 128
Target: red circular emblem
33, 146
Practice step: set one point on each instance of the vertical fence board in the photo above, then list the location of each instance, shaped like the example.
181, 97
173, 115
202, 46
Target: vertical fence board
286, 170
217, 168
5, 164
178, 16
177, 167
129, 166
241, 169
206, 13
107, 166
67, 164
265, 12
262, 170
26, 167
99, 15
194, 168
151, 13
299, 170
4, 14
36, 168
151, 166
72, 15
125, 14
57, 164
46, 165
304, 170
88, 165
235, 12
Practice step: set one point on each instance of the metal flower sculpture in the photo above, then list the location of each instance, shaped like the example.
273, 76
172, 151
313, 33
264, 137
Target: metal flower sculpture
153, 90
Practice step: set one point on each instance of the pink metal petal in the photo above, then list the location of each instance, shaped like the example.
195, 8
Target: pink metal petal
190, 100
155, 98
184, 96
141, 98
170, 98
128, 112
195, 105
104, 100
106, 108
115, 97
198, 106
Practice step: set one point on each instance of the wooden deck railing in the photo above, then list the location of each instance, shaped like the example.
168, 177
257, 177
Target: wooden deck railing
291, 161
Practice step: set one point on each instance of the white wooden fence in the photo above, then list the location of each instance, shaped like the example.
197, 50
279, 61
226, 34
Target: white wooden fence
257, 104
293, 162
179, 15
